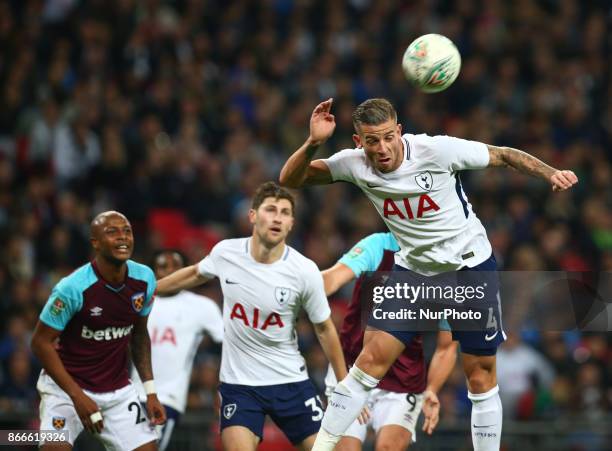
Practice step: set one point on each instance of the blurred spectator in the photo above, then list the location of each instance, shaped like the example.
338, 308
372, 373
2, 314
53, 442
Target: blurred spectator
17, 337
590, 394
522, 374
76, 150
18, 391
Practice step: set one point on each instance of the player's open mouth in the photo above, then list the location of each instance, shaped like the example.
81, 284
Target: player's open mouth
275, 229
384, 160
123, 248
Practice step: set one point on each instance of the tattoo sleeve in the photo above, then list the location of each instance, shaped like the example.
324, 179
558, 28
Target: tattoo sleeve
519, 160
140, 346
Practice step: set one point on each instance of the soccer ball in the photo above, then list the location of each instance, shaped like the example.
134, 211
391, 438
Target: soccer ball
431, 62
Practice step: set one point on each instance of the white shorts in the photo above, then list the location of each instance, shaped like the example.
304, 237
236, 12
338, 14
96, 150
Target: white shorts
386, 408
126, 426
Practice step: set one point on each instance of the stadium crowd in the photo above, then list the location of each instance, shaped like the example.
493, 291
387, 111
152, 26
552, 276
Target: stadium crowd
172, 112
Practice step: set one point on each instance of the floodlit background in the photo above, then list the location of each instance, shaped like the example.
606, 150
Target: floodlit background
172, 112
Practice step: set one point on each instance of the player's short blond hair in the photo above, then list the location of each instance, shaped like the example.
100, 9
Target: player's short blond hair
373, 112
271, 189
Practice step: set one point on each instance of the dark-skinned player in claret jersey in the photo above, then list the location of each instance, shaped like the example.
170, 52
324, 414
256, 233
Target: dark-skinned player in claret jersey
92, 317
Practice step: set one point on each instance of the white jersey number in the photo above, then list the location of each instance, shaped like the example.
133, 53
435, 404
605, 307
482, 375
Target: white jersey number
317, 412
491, 320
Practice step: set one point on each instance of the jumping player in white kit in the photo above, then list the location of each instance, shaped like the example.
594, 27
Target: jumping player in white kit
265, 284
413, 182
176, 326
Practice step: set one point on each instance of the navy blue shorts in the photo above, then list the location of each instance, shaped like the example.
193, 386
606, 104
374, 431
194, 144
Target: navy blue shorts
476, 342
295, 408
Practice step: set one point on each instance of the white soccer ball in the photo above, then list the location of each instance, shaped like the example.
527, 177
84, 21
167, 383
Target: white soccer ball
431, 62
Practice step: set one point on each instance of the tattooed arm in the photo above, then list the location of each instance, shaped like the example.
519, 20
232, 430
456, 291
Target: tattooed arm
140, 346
528, 164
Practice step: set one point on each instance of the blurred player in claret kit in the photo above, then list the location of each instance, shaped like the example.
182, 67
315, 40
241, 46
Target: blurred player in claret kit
413, 182
176, 326
395, 405
265, 284
96, 313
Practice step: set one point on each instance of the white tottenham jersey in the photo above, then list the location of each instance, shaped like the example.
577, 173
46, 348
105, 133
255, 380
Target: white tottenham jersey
176, 325
422, 202
260, 307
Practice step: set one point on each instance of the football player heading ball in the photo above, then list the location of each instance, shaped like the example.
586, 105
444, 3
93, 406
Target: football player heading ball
437, 232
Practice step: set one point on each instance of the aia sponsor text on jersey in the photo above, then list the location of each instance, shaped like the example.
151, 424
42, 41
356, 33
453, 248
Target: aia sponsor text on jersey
159, 336
239, 313
404, 210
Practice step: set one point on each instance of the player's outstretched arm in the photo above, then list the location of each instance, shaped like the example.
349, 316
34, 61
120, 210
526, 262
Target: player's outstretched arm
43, 347
336, 277
442, 363
528, 164
140, 346
300, 170
182, 279
328, 338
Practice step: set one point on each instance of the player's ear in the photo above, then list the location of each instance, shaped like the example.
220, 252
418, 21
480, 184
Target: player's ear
291, 223
399, 129
357, 141
94, 243
252, 216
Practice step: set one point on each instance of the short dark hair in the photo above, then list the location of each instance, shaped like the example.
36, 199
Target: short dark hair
373, 112
271, 189
161, 252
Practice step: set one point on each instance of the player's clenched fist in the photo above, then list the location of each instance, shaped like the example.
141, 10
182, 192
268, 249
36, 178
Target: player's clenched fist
562, 180
322, 123
155, 411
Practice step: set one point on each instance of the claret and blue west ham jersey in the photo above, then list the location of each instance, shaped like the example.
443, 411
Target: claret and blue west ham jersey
408, 373
96, 321
422, 202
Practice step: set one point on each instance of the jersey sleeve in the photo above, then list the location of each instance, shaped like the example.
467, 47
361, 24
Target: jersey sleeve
208, 265
444, 325
149, 276
342, 164
457, 154
314, 300
366, 255
63, 303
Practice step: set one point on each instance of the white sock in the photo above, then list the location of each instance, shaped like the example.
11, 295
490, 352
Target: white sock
347, 400
486, 420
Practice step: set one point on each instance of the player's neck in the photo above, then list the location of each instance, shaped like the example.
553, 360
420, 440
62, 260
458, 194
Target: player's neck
400, 159
265, 254
113, 273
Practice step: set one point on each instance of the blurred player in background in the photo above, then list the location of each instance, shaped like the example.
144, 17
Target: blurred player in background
176, 326
395, 405
413, 182
265, 284
82, 339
